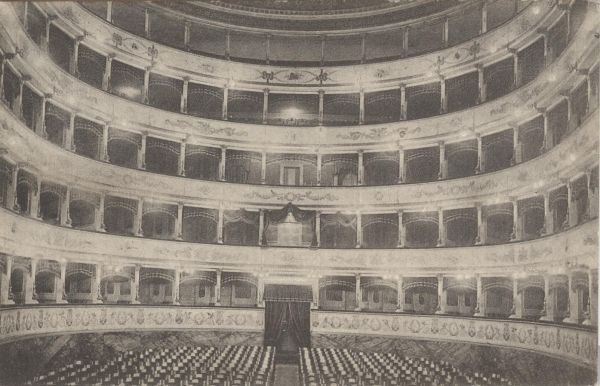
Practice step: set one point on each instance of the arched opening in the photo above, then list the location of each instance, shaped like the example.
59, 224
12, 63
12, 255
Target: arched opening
562, 303
119, 215
245, 106
420, 295
422, 165
461, 227
378, 295
78, 284
380, 230
461, 159
26, 187
421, 229
87, 137
90, 66
156, 286
240, 227
11, 88
291, 169
238, 290
202, 163
580, 199
382, 106
159, 222
531, 61
533, 302
462, 91
425, 37
60, 47
205, 101
46, 286
200, 225
36, 24
339, 170
560, 208
126, 81
423, 101
499, 220
338, 230
32, 108
82, 213
6, 174
123, 151
498, 151
162, 156
341, 109
243, 167
164, 92
381, 168
56, 122
116, 289
50, 203
499, 78
532, 217
498, 296
18, 282
337, 293
461, 295
531, 136
293, 109
197, 289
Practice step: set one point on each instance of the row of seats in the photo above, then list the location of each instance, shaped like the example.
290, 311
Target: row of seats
330, 366
208, 366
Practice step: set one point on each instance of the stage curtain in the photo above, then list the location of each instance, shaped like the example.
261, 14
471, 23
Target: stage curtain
274, 317
299, 322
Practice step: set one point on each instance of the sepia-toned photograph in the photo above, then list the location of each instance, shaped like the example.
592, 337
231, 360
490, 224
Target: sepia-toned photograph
299, 192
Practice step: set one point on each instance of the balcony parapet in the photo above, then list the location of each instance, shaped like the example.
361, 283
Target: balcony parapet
134, 49
577, 153
489, 117
24, 323
23, 236
577, 346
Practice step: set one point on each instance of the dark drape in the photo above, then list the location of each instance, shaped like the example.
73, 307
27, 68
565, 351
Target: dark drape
274, 217
275, 313
299, 322
289, 305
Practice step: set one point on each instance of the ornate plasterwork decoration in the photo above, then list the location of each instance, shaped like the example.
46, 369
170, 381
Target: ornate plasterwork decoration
379, 133
295, 76
290, 196
561, 341
206, 129
473, 187
15, 324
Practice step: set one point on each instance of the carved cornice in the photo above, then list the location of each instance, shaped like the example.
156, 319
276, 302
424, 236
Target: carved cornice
568, 343
24, 236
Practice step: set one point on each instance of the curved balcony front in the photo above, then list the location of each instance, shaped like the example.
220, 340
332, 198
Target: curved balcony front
22, 236
312, 40
368, 102
576, 154
574, 345
490, 117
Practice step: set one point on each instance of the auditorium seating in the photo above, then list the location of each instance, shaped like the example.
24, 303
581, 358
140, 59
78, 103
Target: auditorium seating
230, 365
329, 366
